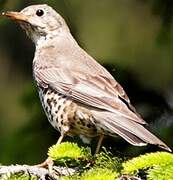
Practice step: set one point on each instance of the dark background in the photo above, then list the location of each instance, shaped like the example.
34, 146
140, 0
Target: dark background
133, 39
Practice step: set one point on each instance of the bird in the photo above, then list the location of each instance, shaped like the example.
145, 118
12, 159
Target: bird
79, 96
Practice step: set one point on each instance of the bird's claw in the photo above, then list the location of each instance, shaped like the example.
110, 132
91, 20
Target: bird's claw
48, 164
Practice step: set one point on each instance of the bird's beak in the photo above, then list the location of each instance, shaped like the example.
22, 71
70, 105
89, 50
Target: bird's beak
17, 16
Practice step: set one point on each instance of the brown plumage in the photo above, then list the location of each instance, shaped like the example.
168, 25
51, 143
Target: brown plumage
79, 96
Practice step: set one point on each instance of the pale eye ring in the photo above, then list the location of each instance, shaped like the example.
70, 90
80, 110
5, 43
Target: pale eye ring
39, 12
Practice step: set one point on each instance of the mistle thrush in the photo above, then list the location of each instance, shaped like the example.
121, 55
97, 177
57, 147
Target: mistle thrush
79, 96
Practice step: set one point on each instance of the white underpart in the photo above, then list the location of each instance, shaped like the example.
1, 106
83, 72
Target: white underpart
85, 139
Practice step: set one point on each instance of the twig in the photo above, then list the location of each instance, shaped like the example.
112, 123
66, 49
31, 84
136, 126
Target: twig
40, 173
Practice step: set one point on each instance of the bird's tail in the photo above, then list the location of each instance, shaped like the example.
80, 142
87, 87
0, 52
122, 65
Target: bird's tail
131, 131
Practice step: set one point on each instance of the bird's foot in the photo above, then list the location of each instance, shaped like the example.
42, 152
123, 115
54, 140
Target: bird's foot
48, 164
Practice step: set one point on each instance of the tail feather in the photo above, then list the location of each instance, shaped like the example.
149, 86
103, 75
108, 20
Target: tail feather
129, 137
131, 131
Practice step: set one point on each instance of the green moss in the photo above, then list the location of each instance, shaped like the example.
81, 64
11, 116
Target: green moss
68, 153
18, 176
104, 165
99, 174
73, 177
101, 166
147, 161
163, 172
105, 160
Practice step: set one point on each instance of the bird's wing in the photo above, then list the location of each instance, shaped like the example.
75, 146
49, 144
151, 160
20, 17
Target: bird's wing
96, 91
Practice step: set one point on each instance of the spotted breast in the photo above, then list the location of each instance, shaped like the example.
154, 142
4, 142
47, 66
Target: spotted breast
67, 116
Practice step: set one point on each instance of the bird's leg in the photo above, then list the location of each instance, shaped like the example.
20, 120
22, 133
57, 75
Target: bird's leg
48, 163
60, 139
99, 143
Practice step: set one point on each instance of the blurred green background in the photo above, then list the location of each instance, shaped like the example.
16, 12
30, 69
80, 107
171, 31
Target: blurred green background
133, 39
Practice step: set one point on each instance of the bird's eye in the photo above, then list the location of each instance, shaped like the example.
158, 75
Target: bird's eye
39, 12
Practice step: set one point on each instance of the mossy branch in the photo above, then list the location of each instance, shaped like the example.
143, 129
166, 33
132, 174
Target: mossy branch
147, 161
73, 162
25, 172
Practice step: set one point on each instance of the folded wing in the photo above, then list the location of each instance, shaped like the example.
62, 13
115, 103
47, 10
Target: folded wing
101, 93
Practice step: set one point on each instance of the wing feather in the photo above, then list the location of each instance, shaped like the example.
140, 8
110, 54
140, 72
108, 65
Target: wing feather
95, 91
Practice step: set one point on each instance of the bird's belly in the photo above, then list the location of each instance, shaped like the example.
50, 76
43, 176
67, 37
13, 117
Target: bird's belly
67, 116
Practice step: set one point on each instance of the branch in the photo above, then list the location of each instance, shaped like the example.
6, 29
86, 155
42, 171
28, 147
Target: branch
40, 173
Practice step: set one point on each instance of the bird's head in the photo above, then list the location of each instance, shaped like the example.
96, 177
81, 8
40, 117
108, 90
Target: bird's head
39, 21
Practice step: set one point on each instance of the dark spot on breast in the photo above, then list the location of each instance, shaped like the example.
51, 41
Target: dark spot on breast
46, 108
62, 122
54, 102
51, 117
89, 125
95, 121
65, 123
44, 90
59, 96
61, 116
82, 121
49, 92
49, 102
56, 128
65, 110
59, 107
56, 112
